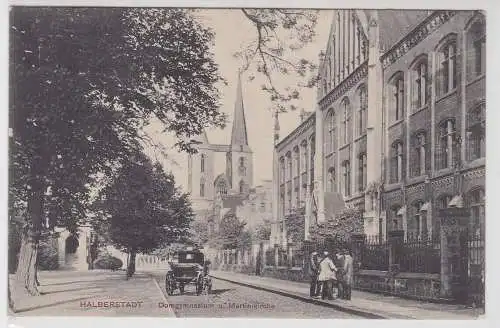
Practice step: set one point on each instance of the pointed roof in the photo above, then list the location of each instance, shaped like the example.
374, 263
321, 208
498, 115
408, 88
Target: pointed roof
239, 132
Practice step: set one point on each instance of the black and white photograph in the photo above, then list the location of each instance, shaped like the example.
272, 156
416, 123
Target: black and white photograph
204, 162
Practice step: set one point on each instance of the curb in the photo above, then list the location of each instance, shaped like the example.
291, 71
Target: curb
171, 312
359, 312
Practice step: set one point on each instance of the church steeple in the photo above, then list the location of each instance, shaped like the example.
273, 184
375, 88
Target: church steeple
239, 132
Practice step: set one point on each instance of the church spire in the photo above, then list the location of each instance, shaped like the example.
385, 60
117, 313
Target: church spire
239, 132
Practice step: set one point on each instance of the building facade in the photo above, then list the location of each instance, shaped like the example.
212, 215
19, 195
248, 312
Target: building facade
402, 128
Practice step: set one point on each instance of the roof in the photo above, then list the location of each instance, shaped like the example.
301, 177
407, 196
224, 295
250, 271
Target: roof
334, 204
239, 132
396, 24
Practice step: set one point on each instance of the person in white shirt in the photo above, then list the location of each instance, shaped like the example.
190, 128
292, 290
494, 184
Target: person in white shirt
327, 275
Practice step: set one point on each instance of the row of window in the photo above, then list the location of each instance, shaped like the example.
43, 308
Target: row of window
302, 158
241, 167
446, 75
416, 220
220, 187
447, 150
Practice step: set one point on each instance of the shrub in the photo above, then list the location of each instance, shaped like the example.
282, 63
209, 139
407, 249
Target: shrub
108, 263
47, 254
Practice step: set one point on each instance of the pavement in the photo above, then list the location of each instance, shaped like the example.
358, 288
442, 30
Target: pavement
364, 304
93, 293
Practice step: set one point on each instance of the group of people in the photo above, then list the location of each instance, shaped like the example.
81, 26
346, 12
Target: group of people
331, 276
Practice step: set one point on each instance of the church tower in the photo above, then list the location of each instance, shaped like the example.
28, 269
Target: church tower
201, 174
239, 158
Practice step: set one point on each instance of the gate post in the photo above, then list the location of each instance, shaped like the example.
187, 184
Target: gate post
454, 259
396, 239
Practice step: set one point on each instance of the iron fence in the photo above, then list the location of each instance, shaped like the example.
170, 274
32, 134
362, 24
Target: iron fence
375, 254
419, 254
269, 257
476, 255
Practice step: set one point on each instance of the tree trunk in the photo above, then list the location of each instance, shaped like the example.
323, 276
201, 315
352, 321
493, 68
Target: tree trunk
26, 273
131, 263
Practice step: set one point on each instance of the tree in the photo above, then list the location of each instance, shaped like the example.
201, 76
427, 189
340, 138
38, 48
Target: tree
279, 34
83, 82
230, 231
263, 230
144, 209
339, 227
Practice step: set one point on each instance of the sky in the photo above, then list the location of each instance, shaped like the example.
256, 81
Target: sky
232, 31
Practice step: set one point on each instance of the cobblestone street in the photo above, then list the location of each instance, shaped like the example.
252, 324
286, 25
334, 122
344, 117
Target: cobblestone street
231, 300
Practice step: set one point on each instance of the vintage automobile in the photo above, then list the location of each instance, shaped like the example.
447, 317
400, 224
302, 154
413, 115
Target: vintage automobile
191, 267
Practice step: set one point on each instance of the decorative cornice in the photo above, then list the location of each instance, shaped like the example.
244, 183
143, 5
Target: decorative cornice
428, 26
416, 188
345, 85
446, 181
307, 124
475, 173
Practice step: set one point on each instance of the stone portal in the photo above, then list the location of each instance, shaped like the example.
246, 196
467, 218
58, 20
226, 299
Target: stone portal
73, 249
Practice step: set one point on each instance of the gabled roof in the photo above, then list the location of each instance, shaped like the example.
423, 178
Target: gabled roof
395, 24
239, 132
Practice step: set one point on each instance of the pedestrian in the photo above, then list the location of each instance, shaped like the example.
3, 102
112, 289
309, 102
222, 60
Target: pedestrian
326, 276
340, 275
314, 272
348, 274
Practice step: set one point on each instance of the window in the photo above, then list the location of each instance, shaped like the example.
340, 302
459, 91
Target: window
262, 207
282, 198
362, 112
282, 170
448, 70
303, 161
397, 96
202, 188
476, 125
202, 164
397, 162
289, 166
242, 167
477, 211
311, 165
331, 180
419, 84
476, 48
418, 228
346, 118
242, 186
362, 172
221, 187
396, 218
296, 159
330, 139
446, 141
346, 167
419, 160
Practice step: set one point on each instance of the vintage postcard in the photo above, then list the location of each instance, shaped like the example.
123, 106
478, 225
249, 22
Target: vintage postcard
247, 162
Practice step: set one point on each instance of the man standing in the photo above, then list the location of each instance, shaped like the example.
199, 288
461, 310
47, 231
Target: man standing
340, 275
314, 271
326, 276
348, 274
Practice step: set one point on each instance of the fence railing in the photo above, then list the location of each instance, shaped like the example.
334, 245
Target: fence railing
420, 254
375, 254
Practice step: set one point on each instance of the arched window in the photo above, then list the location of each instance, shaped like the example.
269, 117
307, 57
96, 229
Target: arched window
242, 167
396, 223
303, 157
221, 187
476, 47
418, 225
448, 69
444, 155
476, 128
362, 171
419, 84
346, 117
289, 166
346, 168
202, 188
242, 186
397, 162
420, 158
202, 163
475, 202
331, 180
362, 110
330, 138
397, 96
282, 170
296, 160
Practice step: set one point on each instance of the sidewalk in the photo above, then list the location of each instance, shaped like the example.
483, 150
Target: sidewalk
368, 305
90, 293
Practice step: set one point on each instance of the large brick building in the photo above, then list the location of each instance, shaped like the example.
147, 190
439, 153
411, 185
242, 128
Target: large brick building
402, 128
